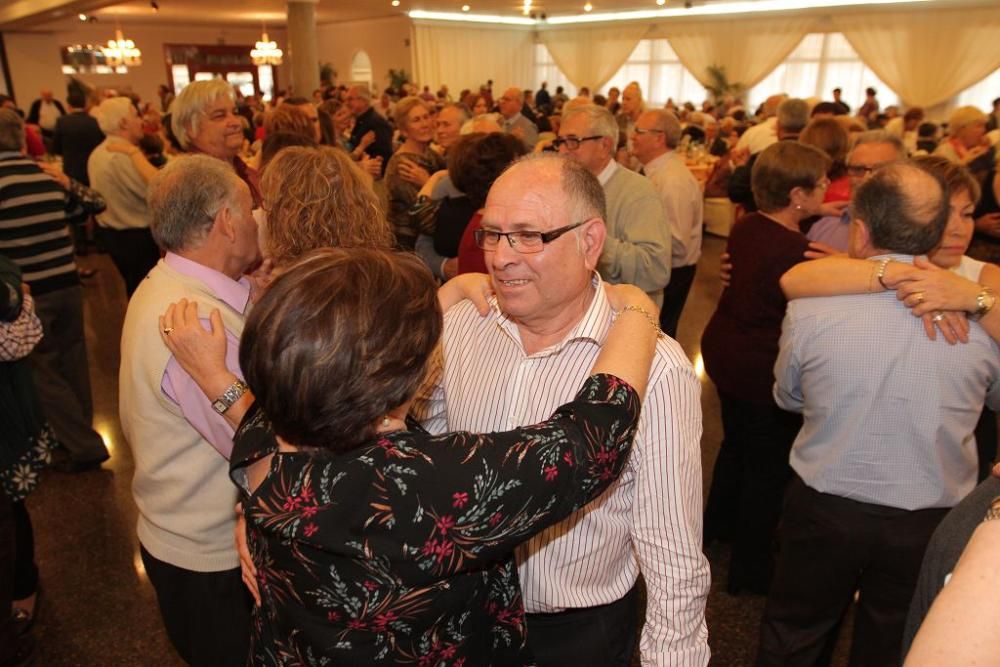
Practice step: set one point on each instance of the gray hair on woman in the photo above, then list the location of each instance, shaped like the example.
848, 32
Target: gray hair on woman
112, 112
189, 107
185, 197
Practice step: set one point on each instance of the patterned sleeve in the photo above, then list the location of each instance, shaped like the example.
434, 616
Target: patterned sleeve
482, 495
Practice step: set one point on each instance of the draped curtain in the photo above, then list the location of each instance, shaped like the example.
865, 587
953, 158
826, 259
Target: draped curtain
927, 57
466, 56
590, 56
748, 49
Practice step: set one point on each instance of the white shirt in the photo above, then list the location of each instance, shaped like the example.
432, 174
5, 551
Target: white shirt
649, 519
48, 114
609, 170
683, 204
760, 136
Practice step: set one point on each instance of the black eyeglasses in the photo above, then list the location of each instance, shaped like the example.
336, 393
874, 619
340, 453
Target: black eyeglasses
863, 169
524, 242
572, 143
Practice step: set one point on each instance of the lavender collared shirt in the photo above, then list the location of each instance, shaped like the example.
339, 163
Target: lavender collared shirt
177, 385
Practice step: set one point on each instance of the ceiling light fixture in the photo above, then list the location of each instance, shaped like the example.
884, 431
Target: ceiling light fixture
470, 18
395, 3
466, 8
723, 8
121, 52
661, 2
266, 52
82, 17
526, 10
588, 7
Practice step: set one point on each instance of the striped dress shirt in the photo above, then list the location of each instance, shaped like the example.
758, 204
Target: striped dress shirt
33, 225
648, 521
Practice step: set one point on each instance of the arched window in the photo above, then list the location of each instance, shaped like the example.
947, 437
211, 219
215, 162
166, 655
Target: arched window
361, 68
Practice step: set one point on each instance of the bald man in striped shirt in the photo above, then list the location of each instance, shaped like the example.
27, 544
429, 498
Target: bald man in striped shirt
542, 235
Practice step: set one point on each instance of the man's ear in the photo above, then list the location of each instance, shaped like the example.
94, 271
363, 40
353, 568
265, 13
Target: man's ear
225, 224
592, 241
861, 235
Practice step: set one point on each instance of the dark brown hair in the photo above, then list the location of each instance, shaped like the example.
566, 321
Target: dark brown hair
783, 166
338, 341
956, 176
476, 160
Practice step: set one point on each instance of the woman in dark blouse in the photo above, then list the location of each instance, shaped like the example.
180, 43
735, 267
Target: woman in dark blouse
374, 542
740, 346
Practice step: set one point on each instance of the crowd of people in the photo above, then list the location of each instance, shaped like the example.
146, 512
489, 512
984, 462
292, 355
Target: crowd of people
400, 379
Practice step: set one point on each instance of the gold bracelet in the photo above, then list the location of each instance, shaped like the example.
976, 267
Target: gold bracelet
881, 272
645, 313
993, 512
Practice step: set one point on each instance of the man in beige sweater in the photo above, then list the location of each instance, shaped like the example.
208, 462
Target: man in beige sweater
201, 218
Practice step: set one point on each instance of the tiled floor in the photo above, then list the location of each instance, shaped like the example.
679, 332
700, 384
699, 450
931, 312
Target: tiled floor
97, 607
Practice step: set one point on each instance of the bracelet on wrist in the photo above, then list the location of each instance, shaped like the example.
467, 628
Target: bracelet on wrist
642, 311
993, 512
881, 272
985, 302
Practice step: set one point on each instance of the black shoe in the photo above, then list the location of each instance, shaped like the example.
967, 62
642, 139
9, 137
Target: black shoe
23, 654
70, 466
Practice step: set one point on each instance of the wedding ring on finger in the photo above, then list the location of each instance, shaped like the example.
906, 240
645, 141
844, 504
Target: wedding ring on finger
938, 316
919, 296
167, 331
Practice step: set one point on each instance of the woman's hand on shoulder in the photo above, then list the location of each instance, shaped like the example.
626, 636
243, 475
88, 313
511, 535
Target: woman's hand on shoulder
476, 287
200, 352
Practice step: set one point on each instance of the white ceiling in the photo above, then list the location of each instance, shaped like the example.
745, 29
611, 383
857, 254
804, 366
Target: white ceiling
253, 12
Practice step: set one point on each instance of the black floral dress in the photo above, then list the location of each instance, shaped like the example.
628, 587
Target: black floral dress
399, 552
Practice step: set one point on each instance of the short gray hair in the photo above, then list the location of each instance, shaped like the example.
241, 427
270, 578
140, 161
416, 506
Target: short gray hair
363, 92
463, 111
879, 137
189, 107
793, 115
112, 112
11, 130
584, 192
599, 120
667, 123
185, 196
902, 209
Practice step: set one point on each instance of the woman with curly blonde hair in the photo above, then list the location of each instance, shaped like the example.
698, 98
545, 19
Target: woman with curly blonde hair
318, 198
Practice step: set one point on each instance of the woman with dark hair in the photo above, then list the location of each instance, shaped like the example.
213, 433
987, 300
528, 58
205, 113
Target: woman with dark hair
474, 162
832, 138
740, 346
375, 543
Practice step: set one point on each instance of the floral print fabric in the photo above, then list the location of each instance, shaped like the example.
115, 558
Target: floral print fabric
400, 552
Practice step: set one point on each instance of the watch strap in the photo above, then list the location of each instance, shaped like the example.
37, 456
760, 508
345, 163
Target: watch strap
230, 396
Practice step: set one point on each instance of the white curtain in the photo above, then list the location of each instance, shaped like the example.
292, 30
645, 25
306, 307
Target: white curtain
927, 56
748, 50
590, 56
465, 56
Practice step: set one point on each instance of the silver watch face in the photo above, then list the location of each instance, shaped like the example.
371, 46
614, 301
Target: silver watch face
219, 406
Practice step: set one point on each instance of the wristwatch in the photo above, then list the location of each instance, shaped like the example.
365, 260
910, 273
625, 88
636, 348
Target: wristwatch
230, 396
985, 301
994, 511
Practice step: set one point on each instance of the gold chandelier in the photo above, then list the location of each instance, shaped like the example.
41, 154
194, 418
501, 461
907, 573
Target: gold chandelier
121, 52
266, 52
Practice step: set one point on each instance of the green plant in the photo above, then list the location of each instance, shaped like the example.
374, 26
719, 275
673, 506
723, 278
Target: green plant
397, 79
719, 85
327, 75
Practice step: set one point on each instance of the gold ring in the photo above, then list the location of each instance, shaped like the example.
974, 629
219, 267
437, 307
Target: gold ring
938, 316
920, 297
167, 330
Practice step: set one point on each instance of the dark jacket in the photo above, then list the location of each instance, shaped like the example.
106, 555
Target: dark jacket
76, 136
36, 108
382, 147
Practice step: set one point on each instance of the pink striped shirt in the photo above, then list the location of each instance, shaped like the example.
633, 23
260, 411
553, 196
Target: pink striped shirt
648, 521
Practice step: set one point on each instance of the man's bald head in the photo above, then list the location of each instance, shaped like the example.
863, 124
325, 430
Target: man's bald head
904, 208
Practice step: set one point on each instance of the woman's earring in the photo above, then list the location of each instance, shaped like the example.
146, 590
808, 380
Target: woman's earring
385, 421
